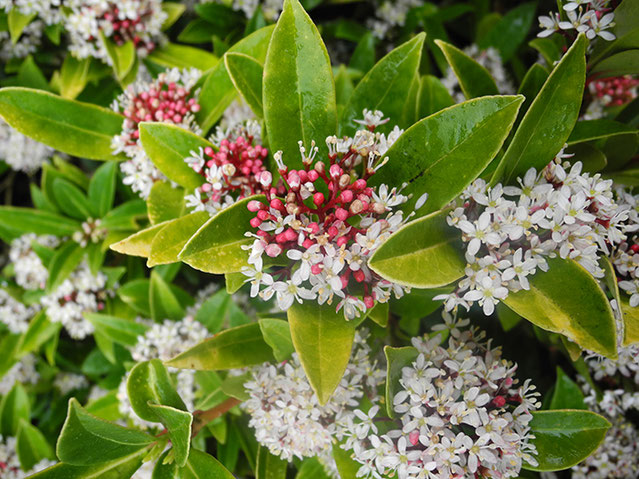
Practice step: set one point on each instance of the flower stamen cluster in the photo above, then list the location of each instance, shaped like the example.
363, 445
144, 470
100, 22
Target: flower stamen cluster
326, 225
592, 17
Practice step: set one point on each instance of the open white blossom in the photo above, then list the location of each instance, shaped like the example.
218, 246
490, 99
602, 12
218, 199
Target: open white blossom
20, 152
80, 293
10, 463
489, 59
23, 372
592, 17
460, 413
28, 43
28, 269
390, 14
66, 382
286, 414
46, 10
13, 314
510, 231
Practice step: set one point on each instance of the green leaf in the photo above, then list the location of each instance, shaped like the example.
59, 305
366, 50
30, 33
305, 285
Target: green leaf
312, 469
164, 304
168, 146
299, 90
71, 199
172, 55
116, 469
396, 359
31, 446
474, 79
510, 31
64, 262
323, 340
423, 254
363, 58
589, 130
623, 63
530, 86
432, 97
442, 154
630, 323
548, 48
136, 294
17, 23
204, 466
385, 87
625, 29
173, 10
549, 120
164, 203
40, 222
118, 330
233, 386
39, 332
565, 437
269, 466
567, 300
74, 76
149, 383
233, 348
178, 424
86, 440
566, 395
277, 335
79, 129
170, 240
217, 89
216, 247
15, 407
138, 244
102, 189
246, 74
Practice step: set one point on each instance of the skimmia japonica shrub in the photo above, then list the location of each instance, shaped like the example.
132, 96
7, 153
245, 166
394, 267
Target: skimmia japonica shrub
312, 239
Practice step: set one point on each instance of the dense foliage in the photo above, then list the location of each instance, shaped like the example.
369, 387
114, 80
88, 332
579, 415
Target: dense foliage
319, 239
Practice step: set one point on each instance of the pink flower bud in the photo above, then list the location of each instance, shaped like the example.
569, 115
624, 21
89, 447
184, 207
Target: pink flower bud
273, 250
318, 198
341, 214
254, 206
413, 437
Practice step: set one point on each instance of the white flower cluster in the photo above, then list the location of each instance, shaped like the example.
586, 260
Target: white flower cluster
29, 271
120, 21
560, 211
491, 61
28, 43
617, 455
460, 413
627, 364
80, 293
66, 382
150, 100
165, 341
625, 257
271, 9
23, 372
10, 463
592, 17
13, 314
391, 14
20, 152
286, 413
46, 10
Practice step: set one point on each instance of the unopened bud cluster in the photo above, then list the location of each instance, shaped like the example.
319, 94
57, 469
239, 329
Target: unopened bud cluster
234, 171
170, 98
326, 225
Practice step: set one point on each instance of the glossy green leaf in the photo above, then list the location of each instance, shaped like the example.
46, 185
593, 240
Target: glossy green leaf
442, 154
323, 340
246, 74
173, 10
423, 254
116, 469
164, 304
626, 30
269, 466
178, 424
396, 359
589, 130
346, 465
168, 146
233, 348
64, 262
277, 335
122, 56
102, 189
79, 129
622, 63
15, 407
565, 437
204, 466
433, 96
530, 87
31, 446
123, 331
510, 31
474, 79
549, 120
217, 89
172, 55
165, 202
138, 244
311, 468
71, 199
74, 76
385, 87
39, 332
86, 440
299, 91
18, 21
549, 49
216, 247
363, 58
170, 240
567, 394
40, 222
136, 294
567, 300
630, 323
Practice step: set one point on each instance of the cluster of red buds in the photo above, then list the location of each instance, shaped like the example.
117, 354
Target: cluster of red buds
233, 172
128, 29
325, 224
614, 91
